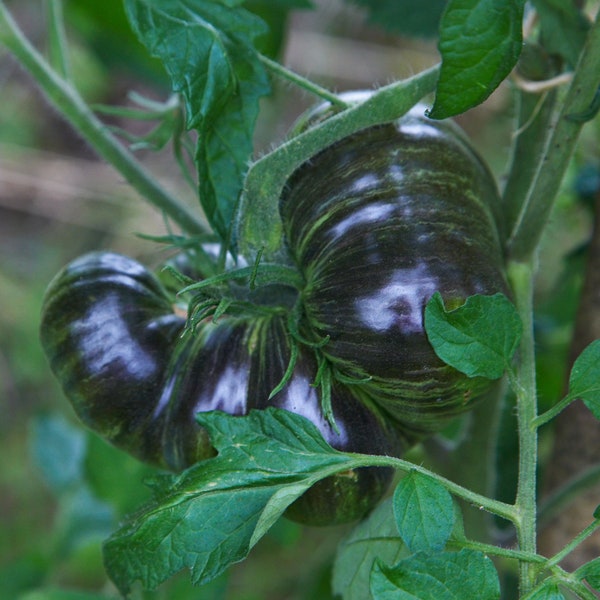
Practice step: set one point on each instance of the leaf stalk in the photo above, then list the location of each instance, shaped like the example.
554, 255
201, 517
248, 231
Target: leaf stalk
302, 82
496, 507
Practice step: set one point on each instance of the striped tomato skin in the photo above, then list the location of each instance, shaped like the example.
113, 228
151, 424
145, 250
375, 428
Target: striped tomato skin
108, 330
376, 224
138, 377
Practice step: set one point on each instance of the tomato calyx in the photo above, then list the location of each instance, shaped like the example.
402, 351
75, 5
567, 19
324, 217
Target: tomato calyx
261, 291
232, 289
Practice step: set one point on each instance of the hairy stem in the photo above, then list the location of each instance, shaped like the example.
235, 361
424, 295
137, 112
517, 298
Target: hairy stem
572, 476
306, 84
498, 551
558, 557
496, 507
259, 227
553, 412
69, 103
535, 111
522, 275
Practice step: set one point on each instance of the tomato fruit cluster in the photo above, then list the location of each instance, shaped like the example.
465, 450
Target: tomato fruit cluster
375, 224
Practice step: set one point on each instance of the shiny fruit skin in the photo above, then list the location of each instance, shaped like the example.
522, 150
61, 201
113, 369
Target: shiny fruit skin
135, 375
108, 331
376, 224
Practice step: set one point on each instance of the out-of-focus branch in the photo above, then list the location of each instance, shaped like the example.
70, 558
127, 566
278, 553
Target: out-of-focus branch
577, 432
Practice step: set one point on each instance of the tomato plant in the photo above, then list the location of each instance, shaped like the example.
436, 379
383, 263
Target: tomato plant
342, 317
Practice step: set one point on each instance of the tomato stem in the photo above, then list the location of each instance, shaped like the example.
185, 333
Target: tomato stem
554, 411
496, 507
259, 226
578, 539
499, 551
522, 276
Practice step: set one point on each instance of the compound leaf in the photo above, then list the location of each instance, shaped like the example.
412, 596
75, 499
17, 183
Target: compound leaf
208, 50
212, 514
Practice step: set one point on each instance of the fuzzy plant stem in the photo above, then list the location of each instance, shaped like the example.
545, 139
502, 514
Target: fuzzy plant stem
302, 82
536, 199
522, 276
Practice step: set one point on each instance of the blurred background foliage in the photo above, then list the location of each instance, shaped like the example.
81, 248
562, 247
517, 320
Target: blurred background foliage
62, 490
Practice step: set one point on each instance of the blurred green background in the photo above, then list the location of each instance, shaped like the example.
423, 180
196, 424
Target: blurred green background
62, 490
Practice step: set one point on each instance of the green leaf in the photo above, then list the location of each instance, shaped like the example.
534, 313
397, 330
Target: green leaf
225, 147
214, 512
479, 338
198, 42
58, 449
375, 537
584, 381
480, 43
441, 576
207, 48
591, 573
424, 512
564, 28
546, 591
400, 16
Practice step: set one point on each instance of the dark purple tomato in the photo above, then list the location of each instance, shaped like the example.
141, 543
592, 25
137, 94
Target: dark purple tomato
138, 378
376, 224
